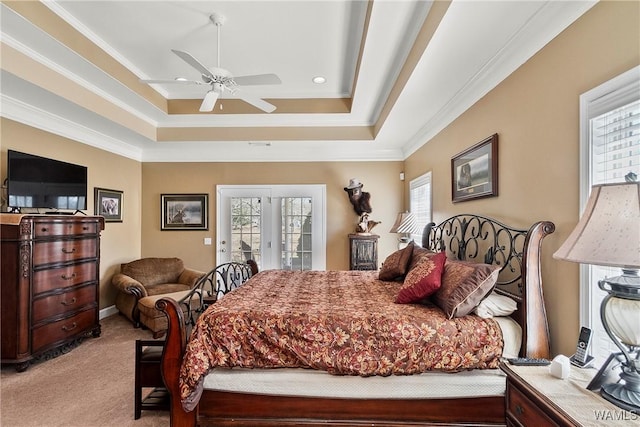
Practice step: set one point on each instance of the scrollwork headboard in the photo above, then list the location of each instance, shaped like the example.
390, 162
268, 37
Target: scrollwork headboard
517, 251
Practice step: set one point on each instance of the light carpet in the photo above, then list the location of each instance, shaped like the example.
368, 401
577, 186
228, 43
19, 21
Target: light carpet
90, 386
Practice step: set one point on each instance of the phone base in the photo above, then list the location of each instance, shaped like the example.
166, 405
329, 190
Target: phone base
577, 363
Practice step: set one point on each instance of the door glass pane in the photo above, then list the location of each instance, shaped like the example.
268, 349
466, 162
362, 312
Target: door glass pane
296, 233
246, 218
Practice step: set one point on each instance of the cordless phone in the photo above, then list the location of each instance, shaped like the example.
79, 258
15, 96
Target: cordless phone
581, 358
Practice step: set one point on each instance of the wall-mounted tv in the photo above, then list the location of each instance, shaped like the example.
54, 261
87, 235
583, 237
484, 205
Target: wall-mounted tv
38, 182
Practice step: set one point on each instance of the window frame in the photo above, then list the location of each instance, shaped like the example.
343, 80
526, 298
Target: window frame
271, 214
608, 96
425, 179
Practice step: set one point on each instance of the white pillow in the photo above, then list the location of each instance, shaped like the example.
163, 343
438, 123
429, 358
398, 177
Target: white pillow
495, 305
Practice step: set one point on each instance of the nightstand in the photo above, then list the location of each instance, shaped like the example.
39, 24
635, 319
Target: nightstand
363, 251
536, 398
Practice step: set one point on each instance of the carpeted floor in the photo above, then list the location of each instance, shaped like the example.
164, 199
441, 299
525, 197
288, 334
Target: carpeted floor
91, 386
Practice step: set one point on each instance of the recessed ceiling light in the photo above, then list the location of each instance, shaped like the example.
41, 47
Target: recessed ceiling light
319, 79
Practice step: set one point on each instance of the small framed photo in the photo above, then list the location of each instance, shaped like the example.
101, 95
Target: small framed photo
184, 211
108, 203
474, 172
609, 372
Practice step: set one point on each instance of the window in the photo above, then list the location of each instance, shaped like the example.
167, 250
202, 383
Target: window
420, 202
278, 226
296, 233
610, 151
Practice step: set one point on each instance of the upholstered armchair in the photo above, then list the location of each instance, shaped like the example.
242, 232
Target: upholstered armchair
142, 282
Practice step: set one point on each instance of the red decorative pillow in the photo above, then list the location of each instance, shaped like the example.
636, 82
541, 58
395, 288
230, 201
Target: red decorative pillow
423, 279
396, 265
418, 254
464, 286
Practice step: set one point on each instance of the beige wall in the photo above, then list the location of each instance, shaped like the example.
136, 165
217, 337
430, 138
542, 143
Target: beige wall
139, 234
381, 179
535, 113
120, 242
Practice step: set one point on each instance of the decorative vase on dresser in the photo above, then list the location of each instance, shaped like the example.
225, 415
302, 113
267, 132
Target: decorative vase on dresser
50, 284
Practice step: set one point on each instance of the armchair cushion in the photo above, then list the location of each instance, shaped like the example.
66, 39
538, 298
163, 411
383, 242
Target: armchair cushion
156, 320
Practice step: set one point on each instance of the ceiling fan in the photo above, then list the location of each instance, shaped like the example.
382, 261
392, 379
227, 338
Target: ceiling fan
221, 80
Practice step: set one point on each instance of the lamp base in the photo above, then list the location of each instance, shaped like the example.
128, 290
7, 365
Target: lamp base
403, 242
625, 396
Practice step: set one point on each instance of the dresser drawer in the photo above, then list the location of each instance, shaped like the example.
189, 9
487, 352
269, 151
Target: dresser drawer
51, 333
63, 277
524, 411
63, 251
67, 302
47, 229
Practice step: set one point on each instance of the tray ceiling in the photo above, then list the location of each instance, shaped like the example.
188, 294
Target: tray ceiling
397, 72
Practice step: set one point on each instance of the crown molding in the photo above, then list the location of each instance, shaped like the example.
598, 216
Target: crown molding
44, 120
550, 20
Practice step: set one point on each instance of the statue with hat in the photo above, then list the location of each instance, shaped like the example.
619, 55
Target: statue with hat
361, 201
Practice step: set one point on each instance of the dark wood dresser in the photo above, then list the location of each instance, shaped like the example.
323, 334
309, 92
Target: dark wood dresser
50, 284
363, 251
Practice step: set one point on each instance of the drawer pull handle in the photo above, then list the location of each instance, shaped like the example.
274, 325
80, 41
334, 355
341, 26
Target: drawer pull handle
68, 251
65, 277
70, 328
68, 303
45, 229
519, 410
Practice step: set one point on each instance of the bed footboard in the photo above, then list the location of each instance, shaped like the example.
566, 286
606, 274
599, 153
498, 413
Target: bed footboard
172, 353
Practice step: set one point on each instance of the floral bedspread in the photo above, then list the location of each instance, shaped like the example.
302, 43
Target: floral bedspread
343, 322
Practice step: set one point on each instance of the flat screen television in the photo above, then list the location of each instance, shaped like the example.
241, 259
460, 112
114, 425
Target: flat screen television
38, 182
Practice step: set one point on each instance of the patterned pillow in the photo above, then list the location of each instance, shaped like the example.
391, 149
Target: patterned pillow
418, 254
464, 285
423, 279
395, 266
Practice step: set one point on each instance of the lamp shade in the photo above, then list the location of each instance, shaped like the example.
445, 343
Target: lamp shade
406, 222
608, 232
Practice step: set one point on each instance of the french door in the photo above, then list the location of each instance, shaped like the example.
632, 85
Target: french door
278, 226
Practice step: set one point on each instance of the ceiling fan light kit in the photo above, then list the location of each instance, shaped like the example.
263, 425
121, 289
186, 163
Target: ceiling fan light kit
220, 79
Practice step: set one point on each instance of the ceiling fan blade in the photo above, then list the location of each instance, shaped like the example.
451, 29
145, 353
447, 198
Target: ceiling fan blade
209, 101
189, 59
258, 79
167, 81
256, 102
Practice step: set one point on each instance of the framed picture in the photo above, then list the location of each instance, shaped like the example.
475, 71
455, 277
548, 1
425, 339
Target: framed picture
184, 211
474, 172
108, 203
609, 372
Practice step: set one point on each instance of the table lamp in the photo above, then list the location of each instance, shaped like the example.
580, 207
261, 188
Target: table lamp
608, 234
406, 224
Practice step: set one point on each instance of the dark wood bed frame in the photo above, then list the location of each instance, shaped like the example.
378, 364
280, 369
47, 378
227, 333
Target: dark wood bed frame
465, 237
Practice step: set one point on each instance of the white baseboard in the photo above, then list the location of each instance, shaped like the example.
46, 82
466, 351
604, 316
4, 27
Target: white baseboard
109, 311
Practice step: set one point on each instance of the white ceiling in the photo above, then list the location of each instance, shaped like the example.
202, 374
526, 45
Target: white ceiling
474, 47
